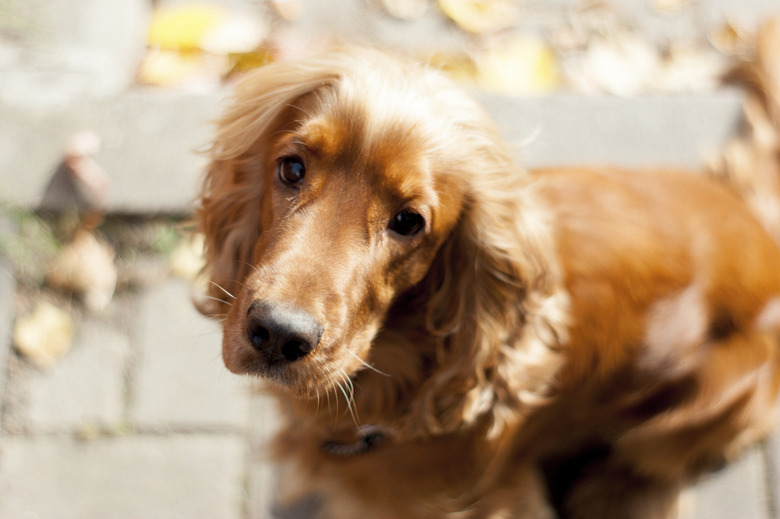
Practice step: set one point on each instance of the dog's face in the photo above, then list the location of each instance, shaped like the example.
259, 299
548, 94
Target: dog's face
352, 215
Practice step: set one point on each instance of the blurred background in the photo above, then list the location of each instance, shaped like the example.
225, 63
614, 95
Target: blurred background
113, 398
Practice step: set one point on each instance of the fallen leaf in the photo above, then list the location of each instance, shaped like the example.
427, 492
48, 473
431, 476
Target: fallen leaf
689, 69
167, 68
459, 67
246, 61
290, 10
405, 9
623, 65
732, 39
234, 34
86, 267
481, 16
187, 259
671, 7
45, 335
182, 27
521, 66
93, 181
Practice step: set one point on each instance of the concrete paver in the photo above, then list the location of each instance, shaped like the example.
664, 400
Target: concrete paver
146, 177
737, 492
638, 132
180, 379
51, 53
134, 477
773, 472
7, 287
149, 178
262, 475
198, 448
84, 388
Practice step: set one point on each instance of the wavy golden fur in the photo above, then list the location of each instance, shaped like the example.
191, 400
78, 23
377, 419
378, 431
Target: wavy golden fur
450, 335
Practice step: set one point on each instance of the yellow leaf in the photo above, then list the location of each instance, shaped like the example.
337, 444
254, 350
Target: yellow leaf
459, 67
85, 266
169, 68
44, 335
245, 61
480, 16
521, 66
183, 27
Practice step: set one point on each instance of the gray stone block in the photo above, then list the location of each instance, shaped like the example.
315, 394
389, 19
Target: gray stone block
262, 474
7, 289
636, 132
150, 149
180, 381
773, 460
51, 53
134, 477
738, 491
149, 138
84, 388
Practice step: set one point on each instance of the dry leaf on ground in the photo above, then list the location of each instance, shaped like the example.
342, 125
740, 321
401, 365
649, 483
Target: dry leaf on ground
520, 66
86, 267
187, 259
183, 27
623, 65
45, 335
481, 16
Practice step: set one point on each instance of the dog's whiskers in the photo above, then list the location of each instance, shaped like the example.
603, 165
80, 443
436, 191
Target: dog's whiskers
212, 298
327, 393
366, 364
348, 396
225, 291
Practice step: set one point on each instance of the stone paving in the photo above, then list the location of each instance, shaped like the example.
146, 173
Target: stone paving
141, 419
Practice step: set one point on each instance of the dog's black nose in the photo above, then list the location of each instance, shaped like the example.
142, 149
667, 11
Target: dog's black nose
282, 334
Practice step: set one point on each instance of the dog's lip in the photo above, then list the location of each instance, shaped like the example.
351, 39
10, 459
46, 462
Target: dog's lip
259, 365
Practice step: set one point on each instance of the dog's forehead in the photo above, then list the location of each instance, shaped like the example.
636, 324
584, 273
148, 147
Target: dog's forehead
390, 151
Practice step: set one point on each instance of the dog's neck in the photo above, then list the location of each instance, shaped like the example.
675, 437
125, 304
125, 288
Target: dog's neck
376, 407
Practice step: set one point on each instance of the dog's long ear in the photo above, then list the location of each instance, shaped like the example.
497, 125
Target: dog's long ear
228, 212
495, 299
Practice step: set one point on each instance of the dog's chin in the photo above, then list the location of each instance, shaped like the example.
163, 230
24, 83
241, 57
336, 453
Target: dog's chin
306, 378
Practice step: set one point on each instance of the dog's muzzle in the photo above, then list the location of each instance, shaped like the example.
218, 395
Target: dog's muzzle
281, 334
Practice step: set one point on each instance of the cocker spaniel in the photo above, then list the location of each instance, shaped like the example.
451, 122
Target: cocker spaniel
452, 336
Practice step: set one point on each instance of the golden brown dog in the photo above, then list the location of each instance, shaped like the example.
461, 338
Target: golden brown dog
451, 336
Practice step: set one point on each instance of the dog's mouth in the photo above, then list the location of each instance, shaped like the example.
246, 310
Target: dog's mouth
325, 372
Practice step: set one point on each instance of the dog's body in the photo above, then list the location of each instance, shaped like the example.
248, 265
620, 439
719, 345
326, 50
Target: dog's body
450, 336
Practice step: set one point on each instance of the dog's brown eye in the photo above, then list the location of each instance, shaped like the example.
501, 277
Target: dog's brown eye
291, 171
407, 223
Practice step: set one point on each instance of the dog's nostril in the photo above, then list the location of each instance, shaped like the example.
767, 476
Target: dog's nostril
259, 337
280, 333
295, 349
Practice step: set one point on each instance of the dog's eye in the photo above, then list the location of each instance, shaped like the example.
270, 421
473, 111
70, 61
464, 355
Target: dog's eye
291, 171
407, 223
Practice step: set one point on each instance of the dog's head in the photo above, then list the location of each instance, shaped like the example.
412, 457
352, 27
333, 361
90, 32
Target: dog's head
339, 183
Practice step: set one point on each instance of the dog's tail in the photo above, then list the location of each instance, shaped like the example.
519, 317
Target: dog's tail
750, 163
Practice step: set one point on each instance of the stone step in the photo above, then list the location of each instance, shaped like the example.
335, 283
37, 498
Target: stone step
150, 138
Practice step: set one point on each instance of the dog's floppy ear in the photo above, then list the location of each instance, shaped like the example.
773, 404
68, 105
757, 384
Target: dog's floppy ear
494, 297
228, 213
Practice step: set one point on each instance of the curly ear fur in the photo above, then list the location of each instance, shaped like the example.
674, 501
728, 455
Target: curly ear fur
494, 295
495, 299
229, 210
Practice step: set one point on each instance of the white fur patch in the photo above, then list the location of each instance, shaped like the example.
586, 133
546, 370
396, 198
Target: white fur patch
769, 318
675, 325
